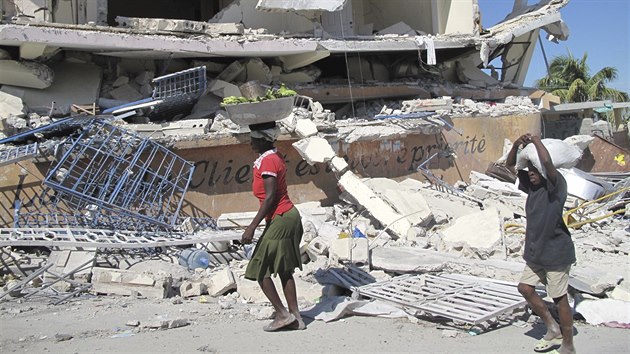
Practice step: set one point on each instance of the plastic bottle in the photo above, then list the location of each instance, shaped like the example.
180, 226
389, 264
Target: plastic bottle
193, 258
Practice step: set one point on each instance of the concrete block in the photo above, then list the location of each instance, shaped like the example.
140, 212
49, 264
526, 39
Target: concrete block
125, 92
328, 232
223, 88
256, 69
601, 311
156, 324
10, 105
192, 288
31, 51
376, 206
125, 282
295, 61
593, 281
121, 80
412, 204
338, 164
231, 72
480, 230
178, 322
314, 150
144, 77
221, 282
408, 260
318, 245
211, 67
205, 107
350, 249
74, 84
620, 292
305, 75
305, 128
25, 74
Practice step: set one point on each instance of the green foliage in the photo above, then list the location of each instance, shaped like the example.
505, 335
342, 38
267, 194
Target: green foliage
569, 78
271, 94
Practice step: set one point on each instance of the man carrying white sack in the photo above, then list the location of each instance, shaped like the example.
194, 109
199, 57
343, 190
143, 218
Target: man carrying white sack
549, 250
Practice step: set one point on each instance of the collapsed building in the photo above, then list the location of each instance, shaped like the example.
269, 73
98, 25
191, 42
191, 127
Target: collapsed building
114, 135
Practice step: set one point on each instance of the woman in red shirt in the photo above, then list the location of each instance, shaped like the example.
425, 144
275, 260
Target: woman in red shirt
278, 249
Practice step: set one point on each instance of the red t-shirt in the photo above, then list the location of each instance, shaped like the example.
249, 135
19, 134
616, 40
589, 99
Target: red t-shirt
272, 164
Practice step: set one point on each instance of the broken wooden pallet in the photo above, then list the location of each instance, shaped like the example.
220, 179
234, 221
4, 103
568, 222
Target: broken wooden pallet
467, 299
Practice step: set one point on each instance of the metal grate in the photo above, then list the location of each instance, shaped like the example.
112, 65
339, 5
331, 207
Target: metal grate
111, 170
190, 82
468, 299
18, 154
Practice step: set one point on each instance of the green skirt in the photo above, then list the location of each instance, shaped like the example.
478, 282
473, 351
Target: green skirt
278, 249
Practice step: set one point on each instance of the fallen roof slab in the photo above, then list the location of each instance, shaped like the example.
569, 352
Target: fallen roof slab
301, 5
113, 41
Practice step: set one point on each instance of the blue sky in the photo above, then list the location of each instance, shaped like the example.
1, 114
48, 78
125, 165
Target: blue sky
599, 27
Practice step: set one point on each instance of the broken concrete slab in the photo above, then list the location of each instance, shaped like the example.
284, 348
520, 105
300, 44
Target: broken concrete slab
192, 288
121, 80
409, 260
399, 28
144, 77
125, 92
593, 281
425, 105
128, 283
303, 76
257, 70
480, 231
291, 62
305, 128
621, 292
338, 164
205, 107
74, 84
376, 206
223, 88
469, 73
10, 105
350, 249
231, 72
362, 69
26, 74
221, 282
183, 26
408, 203
603, 311
40, 51
314, 150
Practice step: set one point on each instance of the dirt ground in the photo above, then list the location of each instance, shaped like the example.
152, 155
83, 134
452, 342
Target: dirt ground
98, 325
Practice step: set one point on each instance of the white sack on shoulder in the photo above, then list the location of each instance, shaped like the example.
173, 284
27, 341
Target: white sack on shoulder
563, 155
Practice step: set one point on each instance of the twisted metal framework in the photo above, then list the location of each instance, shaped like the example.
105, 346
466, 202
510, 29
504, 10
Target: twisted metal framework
108, 170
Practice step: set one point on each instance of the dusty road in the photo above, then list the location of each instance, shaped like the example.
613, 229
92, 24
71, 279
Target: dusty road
99, 326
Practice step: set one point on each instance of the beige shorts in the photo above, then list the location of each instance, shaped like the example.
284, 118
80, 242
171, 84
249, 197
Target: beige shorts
556, 280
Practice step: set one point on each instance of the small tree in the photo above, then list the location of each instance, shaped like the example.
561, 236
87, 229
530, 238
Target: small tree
569, 78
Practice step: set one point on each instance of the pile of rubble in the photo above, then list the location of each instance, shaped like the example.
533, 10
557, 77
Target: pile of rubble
384, 233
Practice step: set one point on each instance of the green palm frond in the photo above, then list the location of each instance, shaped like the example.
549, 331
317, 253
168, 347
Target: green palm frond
569, 78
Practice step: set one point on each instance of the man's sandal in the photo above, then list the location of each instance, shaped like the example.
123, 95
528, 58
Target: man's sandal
544, 345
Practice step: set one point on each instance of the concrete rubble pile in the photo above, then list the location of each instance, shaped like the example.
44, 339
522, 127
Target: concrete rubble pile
54, 89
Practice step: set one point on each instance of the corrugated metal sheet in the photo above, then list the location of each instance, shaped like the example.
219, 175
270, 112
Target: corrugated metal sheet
604, 156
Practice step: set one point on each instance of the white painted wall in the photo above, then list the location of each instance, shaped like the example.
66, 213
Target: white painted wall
417, 14
453, 16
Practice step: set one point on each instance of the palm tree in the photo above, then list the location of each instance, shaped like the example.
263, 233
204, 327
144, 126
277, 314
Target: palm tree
569, 79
